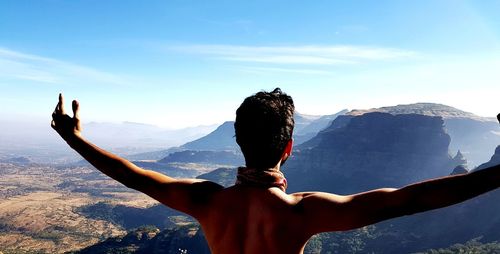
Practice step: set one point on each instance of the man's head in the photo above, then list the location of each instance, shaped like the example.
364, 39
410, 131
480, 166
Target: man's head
264, 126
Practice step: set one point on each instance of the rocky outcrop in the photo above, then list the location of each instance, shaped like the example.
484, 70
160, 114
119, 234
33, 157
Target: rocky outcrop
370, 151
475, 136
459, 159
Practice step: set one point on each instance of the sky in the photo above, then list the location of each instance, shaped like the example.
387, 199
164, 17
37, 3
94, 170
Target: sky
185, 63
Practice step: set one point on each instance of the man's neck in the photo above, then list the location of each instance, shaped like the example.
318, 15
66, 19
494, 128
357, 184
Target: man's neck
270, 177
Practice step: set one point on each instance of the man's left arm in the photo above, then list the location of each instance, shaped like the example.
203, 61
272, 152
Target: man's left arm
325, 212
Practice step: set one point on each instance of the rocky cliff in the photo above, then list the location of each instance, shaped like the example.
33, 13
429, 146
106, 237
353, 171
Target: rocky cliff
370, 151
475, 136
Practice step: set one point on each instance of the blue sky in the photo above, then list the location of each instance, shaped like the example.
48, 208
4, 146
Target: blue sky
186, 63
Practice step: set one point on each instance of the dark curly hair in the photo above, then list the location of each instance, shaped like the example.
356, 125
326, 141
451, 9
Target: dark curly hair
264, 126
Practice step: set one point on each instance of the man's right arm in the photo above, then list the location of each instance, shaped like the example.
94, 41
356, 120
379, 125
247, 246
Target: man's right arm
186, 195
328, 212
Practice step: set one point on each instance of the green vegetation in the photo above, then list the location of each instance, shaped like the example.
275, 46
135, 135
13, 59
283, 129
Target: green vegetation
353, 241
473, 246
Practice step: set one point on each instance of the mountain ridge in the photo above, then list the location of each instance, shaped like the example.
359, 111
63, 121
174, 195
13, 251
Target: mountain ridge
423, 108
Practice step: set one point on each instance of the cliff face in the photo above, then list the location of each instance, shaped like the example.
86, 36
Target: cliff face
372, 150
475, 136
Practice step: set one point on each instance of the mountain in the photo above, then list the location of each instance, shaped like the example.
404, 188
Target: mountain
476, 137
427, 109
221, 138
370, 151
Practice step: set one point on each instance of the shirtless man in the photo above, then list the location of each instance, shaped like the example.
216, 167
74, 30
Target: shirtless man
256, 215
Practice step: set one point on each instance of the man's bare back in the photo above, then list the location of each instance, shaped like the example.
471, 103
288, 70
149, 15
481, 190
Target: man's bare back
248, 218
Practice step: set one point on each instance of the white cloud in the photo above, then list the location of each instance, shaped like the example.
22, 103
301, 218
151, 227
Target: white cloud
285, 70
20, 66
306, 55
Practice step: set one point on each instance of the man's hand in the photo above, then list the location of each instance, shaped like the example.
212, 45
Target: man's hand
67, 127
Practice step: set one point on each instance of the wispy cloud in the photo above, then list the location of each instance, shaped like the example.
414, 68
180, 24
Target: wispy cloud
285, 70
20, 66
305, 55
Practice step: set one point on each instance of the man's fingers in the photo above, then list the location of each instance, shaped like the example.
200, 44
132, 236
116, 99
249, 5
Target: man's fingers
76, 109
55, 109
61, 103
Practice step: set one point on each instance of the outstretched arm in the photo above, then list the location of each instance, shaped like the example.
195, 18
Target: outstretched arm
328, 212
186, 195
